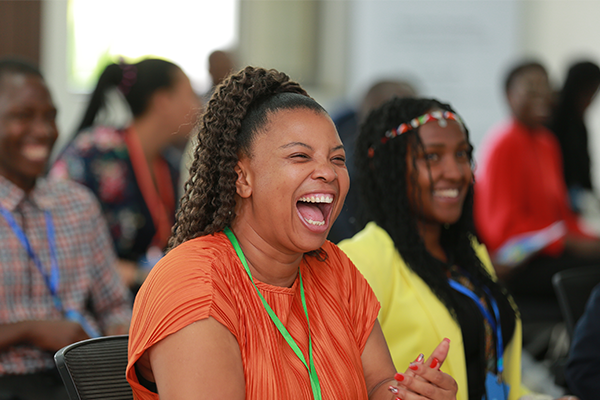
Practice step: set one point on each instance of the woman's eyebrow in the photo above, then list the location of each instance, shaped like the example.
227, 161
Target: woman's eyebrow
292, 144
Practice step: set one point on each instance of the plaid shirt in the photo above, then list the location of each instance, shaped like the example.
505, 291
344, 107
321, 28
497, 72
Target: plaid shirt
89, 283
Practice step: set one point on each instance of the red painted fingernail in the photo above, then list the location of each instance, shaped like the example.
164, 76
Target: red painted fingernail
399, 377
447, 340
413, 366
393, 389
434, 363
398, 398
420, 358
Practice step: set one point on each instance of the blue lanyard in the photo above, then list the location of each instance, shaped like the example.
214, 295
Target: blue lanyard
494, 324
52, 279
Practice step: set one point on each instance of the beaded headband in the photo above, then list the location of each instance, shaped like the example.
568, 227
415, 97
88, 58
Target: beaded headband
440, 116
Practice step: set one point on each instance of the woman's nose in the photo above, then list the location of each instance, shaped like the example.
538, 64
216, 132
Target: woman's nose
324, 170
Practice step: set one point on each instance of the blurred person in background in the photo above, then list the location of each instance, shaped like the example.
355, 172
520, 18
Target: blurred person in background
521, 204
58, 282
568, 124
133, 170
583, 364
220, 66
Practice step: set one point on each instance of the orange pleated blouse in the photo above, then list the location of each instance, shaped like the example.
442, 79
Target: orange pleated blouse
204, 278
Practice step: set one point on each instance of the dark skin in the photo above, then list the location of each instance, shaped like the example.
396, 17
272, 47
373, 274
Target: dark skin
529, 97
443, 178
27, 128
298, 153
27, 133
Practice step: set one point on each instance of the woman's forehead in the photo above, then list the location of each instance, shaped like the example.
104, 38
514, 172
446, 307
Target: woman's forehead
300, 125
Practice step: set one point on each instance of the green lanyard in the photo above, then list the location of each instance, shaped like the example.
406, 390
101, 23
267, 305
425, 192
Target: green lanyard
314, 379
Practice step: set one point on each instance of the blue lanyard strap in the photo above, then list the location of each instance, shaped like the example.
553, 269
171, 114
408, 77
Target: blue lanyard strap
494, 324
51, 279
314, 379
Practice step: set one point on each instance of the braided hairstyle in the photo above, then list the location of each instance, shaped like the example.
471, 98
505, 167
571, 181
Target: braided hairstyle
383, 180
143, 80
236, 113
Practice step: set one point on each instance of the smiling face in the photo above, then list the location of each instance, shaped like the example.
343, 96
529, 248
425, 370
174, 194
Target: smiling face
529, 97
293, 184
27, 128
443, 172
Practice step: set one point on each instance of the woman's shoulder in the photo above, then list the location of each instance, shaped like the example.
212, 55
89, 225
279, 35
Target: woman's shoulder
197, 264
368, 246
199, 254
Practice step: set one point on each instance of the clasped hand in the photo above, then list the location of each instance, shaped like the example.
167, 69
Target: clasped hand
424, 380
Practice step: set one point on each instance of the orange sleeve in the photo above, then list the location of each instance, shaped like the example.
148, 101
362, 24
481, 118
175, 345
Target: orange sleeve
180, 290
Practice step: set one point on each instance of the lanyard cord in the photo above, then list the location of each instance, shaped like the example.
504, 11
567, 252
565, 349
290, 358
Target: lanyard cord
494, 324
314, 379
159, 200
52, 280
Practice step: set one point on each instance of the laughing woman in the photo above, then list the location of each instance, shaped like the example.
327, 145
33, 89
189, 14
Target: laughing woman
419, 252
252, 302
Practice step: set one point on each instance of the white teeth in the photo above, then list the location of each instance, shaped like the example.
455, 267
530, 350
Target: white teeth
35, 152
452, 193
323, 198
318, 223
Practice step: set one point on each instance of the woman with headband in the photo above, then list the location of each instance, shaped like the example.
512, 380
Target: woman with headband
252, 301
133, 171
419, 251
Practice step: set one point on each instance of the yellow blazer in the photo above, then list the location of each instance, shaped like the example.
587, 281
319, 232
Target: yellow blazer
413, 319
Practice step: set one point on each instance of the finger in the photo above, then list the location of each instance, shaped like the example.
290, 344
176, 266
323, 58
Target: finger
431, 375
412, 388
440, 353
409, 371
419, 360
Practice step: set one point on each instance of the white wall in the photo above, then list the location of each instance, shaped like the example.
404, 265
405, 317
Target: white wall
54, 67
455, 51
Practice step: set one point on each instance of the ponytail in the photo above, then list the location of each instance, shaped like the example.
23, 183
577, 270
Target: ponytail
110, 78
137, 82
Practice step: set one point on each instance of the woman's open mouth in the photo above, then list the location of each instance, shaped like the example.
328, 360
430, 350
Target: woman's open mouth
315, 209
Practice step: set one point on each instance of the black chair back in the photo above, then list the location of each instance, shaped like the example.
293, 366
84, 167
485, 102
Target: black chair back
95, 368
573, 288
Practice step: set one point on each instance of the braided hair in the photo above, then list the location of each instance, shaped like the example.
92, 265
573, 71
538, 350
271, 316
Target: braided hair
388, 205
236, 113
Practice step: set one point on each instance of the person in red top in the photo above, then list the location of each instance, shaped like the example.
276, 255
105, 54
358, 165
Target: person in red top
521, 202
